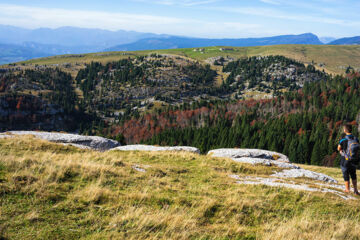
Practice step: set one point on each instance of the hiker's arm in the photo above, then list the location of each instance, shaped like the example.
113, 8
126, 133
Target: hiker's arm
339, 148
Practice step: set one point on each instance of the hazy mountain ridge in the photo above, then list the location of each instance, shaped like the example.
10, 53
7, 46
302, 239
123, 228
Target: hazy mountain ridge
42, 42
70, 36
346, 41
19, 44
184, 42
16, 53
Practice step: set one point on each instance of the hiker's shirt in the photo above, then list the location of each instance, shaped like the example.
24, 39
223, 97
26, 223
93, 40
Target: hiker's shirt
344, 144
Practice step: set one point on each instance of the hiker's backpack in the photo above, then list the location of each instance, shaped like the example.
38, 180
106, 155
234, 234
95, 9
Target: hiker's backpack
352, 152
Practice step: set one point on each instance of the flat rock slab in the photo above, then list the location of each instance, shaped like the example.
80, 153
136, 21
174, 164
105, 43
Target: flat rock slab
249, 153
265, 162
298, 173
92, 142
150, 148
278, 182
266, 158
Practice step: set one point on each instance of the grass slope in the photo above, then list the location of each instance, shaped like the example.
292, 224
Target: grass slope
50, 191
335, 59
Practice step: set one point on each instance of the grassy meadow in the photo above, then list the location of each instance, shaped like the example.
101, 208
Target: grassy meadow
51, 191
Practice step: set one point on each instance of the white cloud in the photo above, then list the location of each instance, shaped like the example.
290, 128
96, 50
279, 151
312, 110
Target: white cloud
33, 17
186, 3
276, 14
274, 2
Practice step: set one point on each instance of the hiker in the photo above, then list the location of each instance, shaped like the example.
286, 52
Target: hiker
349, 151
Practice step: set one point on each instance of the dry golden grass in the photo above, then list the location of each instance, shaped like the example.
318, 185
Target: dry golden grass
50, 191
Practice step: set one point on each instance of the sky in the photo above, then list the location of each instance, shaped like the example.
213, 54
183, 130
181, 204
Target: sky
196, 18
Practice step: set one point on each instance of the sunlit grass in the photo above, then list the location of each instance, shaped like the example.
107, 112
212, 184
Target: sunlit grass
50, 191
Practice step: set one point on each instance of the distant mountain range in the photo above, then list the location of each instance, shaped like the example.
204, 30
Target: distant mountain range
346, 41
183, 42
19, 44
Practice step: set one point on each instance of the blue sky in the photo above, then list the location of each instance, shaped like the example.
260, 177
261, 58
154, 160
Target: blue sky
200, 18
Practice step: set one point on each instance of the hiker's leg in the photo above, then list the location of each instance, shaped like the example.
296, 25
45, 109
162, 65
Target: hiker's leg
347, 186
354, 179
346, 176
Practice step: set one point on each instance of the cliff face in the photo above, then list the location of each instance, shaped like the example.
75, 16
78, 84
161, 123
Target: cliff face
31, 112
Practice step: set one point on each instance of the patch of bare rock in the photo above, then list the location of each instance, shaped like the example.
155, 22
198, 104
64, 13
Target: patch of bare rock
280, 178
249, 153
139, 147
94, 142
283, 183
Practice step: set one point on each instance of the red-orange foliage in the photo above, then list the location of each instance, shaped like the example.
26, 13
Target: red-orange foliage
301, 132
348, 90
295, 103
19, 103
353, 123
333, 91
338, 123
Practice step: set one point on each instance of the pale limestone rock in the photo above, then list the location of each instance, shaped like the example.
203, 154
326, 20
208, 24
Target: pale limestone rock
93, 142
251, 153
150, 148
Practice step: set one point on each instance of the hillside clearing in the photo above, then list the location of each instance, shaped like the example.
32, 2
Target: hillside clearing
61, 192
333, 59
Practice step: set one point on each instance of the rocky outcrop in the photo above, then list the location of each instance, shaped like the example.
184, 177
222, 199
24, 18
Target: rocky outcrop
265, 162
299, 173
268, 158
93, 142
249, 153
155, 148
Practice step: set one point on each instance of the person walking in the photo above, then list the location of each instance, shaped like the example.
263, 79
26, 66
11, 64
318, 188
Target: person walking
349, 151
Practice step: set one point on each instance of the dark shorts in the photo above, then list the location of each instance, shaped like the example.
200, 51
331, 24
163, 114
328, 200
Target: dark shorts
348, 170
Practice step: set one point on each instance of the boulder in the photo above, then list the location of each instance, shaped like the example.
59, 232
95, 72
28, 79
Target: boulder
150, 148
249, 153
92, 142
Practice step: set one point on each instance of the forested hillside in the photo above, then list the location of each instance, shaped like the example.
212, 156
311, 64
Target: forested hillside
130, 84
41, 99
269, 74
303, 124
